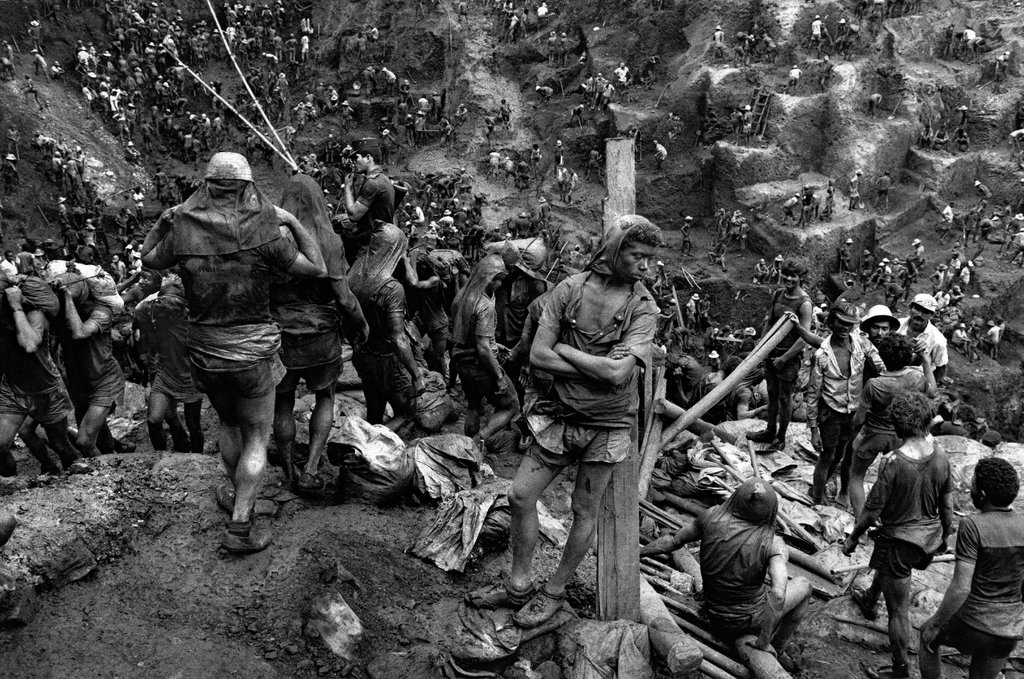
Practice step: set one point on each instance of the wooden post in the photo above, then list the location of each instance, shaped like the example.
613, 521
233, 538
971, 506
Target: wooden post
620, 171
618, 529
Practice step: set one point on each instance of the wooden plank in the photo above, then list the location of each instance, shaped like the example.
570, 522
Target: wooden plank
618, 529
650, 447
620, 166
618, 545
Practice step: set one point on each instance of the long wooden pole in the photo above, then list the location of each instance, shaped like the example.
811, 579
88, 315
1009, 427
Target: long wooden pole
238, 69
618, 528
231, 108
681, 654
772, 338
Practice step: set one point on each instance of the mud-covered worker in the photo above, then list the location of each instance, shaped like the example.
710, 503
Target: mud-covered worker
787, 208
31, 385
846, 256
162, 324
874, 103
227, 239
660, 154
913, 501
875, 433
475, 352
312, 313
592, 325
518, 289
984, 195
981, 613
429, 304
743, 564
833, 394
927, 338
385, 362
94, 377
718, 43
882, 186
794, 79
783, 362
854, 190
369, 197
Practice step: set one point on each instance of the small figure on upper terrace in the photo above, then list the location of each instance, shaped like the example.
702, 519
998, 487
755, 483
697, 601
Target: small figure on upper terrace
794, 79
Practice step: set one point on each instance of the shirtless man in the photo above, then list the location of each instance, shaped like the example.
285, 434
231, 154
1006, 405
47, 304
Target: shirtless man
593, 359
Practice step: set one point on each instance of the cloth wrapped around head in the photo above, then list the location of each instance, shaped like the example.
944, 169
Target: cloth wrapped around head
603, 261
227, 214
304, 198
377, 265
486, 270
738, 537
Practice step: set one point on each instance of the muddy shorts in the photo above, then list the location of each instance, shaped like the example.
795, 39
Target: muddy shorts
479, 385
787, 373
384, 374
106, 391
584, 444
867, 448
250, 380
317, 377
897, 558
46, 408
178, 390
836, 428
970, 640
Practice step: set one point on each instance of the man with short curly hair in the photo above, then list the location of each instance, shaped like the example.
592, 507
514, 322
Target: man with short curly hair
913, 501
981, 613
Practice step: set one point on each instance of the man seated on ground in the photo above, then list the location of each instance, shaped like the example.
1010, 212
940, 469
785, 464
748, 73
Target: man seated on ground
913, 501
592, 330
739, 551
475, 353
981, 614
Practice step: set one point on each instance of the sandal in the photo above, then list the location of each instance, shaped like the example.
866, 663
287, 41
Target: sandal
870, 612
541, 608
226, 501
500, 595
886, 672
310, 482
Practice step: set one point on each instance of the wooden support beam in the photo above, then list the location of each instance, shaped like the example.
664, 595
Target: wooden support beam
618, 529
620, 179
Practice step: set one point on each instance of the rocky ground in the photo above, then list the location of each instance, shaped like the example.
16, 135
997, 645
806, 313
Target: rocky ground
129, 579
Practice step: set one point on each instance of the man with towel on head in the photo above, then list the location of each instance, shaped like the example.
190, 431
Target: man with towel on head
592, 330
227, 239
309, 312
385, 362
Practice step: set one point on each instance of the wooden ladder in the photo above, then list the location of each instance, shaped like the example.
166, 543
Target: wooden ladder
760, 104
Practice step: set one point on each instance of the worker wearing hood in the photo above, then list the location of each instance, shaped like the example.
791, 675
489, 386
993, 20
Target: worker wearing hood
310, 312
385, 363
739, 550
591, 331
228, 240
476, 350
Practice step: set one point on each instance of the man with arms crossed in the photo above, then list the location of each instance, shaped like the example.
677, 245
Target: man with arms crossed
591, 329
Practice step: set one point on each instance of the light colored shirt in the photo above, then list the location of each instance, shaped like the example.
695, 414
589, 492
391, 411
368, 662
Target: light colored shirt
934, 341
828, 384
